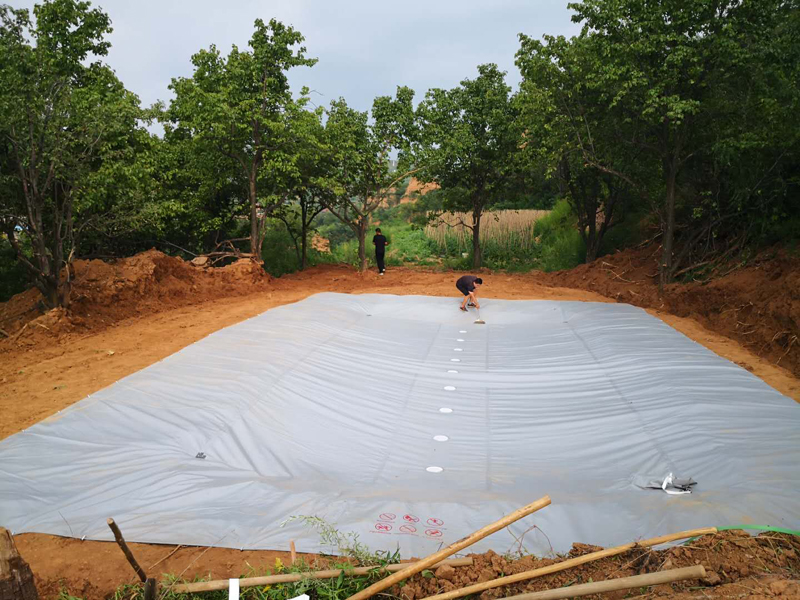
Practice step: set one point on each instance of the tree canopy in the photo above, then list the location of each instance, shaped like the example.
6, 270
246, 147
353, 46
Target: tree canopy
68, 129
469, 137
679, 119
241, 108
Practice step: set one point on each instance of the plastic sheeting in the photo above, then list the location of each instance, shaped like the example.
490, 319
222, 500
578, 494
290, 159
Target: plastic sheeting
345, 407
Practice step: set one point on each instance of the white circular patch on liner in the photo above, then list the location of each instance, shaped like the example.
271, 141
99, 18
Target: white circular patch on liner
459, 340
455, 360
458, 349
434, 469
441, 438
452, 371
450, 388
446, 411
462, 331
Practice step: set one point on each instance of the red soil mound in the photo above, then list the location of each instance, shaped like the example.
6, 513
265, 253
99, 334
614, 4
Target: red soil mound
757, 304
104, 293
735, 564
416, 189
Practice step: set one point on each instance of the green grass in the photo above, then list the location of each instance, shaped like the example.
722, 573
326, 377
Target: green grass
555, 245
408, 245
337, 588
346, 544
560, 243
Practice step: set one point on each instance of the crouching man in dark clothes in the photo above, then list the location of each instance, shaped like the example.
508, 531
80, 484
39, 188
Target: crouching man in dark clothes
468, 285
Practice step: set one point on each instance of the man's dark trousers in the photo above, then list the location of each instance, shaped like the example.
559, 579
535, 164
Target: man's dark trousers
379, 256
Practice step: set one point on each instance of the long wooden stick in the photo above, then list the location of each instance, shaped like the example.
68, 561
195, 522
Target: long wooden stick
222, 584
418, 566
572, 562
125, 550
612, 585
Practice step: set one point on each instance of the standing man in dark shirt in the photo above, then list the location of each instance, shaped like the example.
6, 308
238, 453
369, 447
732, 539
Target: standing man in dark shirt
380, 242
468, 285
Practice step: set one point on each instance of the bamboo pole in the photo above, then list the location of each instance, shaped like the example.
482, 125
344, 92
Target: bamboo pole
125, 550
292, 551
572, 562
418, 566
613, 585
222, 584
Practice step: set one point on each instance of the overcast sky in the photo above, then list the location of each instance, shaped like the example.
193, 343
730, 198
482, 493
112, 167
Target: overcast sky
365, 48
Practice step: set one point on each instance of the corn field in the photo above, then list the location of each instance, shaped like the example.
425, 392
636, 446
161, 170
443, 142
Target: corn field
507, 229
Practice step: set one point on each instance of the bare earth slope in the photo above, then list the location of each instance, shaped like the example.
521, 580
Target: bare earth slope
757, 304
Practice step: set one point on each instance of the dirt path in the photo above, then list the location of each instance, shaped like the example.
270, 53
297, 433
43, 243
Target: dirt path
44, 379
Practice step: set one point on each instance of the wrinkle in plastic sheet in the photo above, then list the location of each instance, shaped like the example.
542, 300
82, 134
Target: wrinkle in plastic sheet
331, 407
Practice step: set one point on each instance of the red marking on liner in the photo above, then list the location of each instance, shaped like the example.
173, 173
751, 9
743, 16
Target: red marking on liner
433, 532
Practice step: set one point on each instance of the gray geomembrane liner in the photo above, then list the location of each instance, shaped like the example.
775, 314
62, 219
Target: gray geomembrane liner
343, 406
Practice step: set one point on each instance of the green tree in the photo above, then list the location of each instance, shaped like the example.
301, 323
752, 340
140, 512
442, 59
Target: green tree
309, 184
568, 129
469, 137
201, 196
659, 66
61, 121
241, 107
363, 175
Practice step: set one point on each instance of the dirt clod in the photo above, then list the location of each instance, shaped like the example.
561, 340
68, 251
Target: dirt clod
446, 572
725, 552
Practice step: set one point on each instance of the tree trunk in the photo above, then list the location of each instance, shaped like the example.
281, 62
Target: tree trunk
49, 293
303, 246
16, 577
476, 238
255, 237
592, 246
46, 282
304, 223
665, 269
591, 238
362, 243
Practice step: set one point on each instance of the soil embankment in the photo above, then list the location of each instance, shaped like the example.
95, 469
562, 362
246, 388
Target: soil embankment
757, 304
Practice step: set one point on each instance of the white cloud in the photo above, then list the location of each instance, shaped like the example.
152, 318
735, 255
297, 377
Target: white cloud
365, 48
